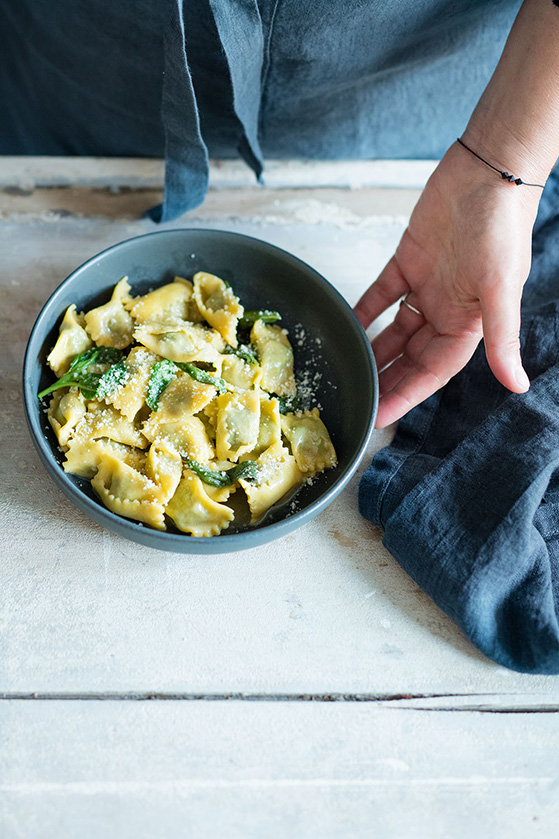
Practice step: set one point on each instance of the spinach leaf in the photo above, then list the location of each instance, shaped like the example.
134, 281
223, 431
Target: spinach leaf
162, 374
244, 351
248, 470
287, 404
202, 376
251, 315
77, 375
115, 376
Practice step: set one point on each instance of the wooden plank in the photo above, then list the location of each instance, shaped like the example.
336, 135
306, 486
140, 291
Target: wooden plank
364, 209
325, 610
25, 173
243, 770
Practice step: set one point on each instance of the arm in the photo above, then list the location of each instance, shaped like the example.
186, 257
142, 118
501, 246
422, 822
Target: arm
466, 253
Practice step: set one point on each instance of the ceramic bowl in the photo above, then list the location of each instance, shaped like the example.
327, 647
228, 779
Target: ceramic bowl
330, 346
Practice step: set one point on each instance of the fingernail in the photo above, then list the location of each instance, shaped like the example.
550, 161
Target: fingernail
522, 379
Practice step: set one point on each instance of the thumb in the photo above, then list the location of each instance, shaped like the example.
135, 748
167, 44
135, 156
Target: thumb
500, 311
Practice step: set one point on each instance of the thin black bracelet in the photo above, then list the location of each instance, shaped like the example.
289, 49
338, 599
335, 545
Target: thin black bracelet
506, 176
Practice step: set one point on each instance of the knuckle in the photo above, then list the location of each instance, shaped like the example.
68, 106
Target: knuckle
503, 346
435, 378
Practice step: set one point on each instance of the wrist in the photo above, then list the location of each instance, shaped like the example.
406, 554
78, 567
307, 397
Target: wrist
516, 122
510, 152
478, 185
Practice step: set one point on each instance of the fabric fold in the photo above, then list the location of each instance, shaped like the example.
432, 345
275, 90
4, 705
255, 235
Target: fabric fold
240, 29
475, 532
186, 155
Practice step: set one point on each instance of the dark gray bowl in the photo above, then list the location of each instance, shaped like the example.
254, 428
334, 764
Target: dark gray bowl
263, 276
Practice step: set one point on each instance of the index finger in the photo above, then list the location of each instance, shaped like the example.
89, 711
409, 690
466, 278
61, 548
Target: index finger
386, 289
430, 365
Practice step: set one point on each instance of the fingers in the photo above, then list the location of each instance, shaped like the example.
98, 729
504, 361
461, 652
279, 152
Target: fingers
500, 309
387, 288
390, 376
393, 340
429, 362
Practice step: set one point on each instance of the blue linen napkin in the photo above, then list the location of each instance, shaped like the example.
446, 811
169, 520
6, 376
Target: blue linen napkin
467, 494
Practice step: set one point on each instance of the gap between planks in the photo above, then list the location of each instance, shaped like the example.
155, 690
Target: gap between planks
483, 703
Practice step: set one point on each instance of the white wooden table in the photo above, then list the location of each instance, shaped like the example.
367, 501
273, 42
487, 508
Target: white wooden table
304, 689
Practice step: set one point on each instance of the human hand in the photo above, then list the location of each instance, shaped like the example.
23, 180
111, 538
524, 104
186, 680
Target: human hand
463, 259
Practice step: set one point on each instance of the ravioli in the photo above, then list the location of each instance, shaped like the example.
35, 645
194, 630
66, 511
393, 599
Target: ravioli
238, 373
187, 435
72, 340
269, 430
65, 412
194, 512
279, 474
111, 325
276, 359
131, 397
309, 440
218, 305
180, 340
128, 492
105, 421
84, 456
178, 423
168, 302
164, 467
238, 422
184, 396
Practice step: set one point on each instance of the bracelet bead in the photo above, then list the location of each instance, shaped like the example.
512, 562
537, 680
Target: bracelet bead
506, 176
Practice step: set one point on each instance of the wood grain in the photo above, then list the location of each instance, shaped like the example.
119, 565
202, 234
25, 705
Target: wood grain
307, 688
240, 770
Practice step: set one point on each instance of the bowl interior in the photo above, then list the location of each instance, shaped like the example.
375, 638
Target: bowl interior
333, 359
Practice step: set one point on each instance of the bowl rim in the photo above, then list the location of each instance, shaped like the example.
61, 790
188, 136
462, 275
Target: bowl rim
225, 543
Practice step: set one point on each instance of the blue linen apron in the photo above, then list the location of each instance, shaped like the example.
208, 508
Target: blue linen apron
278, 78
468, 493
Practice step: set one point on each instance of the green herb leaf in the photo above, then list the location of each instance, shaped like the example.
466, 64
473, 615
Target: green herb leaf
112, 379
77, 375
287, 404
250, 316
95, 355
162, 374
202, 376
248, 470
88, 384
244, 351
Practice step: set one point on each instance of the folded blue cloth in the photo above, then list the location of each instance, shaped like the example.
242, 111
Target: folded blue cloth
467, 494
